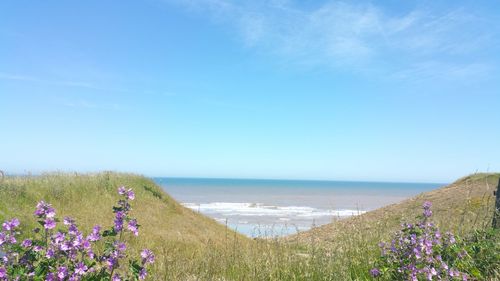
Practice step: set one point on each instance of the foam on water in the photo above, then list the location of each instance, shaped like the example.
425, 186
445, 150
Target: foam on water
259, 209
282, 207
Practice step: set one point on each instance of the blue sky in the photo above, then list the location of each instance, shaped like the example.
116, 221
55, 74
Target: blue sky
348, 90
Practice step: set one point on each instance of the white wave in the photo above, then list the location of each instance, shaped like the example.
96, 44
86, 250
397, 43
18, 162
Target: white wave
259, 209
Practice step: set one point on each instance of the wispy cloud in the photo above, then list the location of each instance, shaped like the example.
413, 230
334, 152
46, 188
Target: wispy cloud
64, 83
84, 104
444, 71
355, 35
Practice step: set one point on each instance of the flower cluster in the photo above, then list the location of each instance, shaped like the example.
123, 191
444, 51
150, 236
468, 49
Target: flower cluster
66, 253
421, 252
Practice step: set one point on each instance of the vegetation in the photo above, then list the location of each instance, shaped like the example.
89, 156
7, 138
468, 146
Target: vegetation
67, 254
422, 251
189, 246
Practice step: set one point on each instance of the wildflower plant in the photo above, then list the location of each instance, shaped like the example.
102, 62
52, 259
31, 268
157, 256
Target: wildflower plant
421, 252
67, 254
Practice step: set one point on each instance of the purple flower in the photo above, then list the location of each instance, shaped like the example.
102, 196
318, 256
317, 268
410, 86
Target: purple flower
73, 230
116, 277
427, 205
444, 266
50, 253
14, 223
81, 268
111, 262
122, 190
417, 253
3, 238
453, 272
120, 215
121, 247
433, 271
451, 238
143, 274
78, 241
44, 210
50, 277
62, 272
86, 244
27, 243
427, 213
127, 192
3, 272
59, 237
130, 194
133, 227
49, 223
68, 221
65, 246
40, 209
375, 272
147, 256
50, 213
10, 225
94, 237
118, 224
96, 229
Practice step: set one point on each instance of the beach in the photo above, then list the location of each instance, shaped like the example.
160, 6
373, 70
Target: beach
263, 208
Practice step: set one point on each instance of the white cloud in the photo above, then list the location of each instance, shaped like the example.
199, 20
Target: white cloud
356, 35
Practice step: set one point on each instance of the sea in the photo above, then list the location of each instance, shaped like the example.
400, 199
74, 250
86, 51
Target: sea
269, 208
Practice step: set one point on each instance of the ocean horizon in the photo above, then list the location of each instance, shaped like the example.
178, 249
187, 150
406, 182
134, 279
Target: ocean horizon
274, 207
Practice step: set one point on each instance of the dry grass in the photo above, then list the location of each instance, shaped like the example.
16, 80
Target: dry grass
190, 246
460, 207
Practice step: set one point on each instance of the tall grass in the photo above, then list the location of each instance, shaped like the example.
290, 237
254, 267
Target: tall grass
189, 246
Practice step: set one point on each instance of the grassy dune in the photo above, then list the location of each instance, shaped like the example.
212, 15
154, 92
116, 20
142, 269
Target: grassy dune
189, 246
166, 227
460, 207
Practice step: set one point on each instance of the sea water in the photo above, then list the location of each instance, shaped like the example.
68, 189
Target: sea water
282, 207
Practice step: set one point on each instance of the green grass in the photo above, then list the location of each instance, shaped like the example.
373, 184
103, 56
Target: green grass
189, 246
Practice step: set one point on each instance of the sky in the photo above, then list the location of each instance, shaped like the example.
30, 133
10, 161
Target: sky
341, 90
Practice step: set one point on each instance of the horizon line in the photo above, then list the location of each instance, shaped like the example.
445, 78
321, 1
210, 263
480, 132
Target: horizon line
288, 179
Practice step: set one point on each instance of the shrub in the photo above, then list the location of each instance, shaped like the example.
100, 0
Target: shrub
421, 252
56, 254
484, 248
